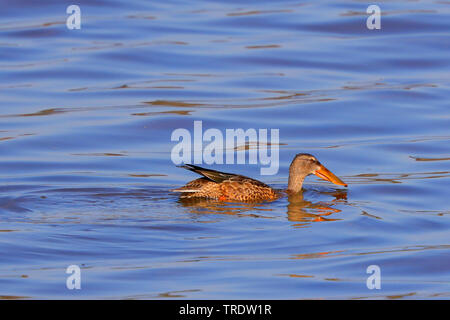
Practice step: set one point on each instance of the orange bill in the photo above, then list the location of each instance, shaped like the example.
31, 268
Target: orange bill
326, 174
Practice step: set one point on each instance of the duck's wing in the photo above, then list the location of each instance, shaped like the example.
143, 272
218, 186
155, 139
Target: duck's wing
222, 185
212, 175
219, 177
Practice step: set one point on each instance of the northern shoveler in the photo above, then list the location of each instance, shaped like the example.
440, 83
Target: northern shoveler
228, 186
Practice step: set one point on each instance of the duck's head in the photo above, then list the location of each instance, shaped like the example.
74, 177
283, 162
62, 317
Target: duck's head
305, 164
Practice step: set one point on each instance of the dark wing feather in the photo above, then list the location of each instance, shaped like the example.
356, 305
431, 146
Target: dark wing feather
212, 175
220, 177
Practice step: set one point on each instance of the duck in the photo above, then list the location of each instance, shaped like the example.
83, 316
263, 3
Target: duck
224, 186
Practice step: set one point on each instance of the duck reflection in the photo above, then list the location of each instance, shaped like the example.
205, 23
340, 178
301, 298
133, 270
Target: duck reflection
211, 206
297, 209
300, 210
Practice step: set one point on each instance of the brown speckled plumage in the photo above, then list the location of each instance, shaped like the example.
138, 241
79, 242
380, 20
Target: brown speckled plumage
225, 186
233, 187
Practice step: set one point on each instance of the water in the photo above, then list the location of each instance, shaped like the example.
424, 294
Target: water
85, 170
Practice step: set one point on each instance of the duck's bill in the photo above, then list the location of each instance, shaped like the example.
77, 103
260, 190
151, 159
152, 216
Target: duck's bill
326, 174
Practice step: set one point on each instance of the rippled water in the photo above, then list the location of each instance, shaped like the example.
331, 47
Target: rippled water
85, 171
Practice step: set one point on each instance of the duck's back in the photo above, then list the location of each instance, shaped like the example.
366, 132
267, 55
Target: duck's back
225, 186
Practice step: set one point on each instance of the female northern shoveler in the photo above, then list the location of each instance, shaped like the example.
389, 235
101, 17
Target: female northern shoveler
228, 186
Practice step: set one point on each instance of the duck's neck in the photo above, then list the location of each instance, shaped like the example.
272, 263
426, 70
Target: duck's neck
295, 183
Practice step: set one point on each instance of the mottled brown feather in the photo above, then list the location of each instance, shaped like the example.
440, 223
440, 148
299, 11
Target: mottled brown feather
235, 188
